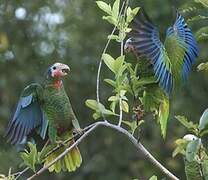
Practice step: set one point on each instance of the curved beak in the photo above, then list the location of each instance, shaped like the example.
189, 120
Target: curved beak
64, 69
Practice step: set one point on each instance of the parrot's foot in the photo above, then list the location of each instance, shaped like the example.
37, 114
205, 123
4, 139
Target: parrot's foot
138, 139
60, 143
78, 131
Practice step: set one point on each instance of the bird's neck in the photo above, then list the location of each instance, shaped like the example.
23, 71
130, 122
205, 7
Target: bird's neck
55, 83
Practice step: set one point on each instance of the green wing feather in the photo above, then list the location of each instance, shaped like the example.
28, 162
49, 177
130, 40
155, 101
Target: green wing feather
192, 170
176, 51
182, 50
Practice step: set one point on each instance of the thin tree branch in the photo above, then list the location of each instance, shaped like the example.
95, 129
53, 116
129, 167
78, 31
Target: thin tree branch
139, 147
121, 112
101, 60
122, 53
18, 174
65, 152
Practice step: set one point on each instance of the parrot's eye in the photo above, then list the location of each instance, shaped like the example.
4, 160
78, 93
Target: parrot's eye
54, 67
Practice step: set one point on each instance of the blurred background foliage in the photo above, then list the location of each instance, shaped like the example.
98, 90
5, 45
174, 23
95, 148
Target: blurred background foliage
34, 34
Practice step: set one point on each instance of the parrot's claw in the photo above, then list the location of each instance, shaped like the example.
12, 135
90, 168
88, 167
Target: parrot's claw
78, 131
60, 143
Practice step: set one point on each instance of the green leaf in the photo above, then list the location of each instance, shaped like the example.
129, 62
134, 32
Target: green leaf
180, 147
98, 108
197, 18
111, 82
203, 2
113, 98
30, 158
96, 115
163, 115
188, 124
203, 67
144, 81
153, 178
113, 105
114, 37
43, 153
192, 149
104, 6
115, 65
115, 9
133, 125
109, 61
131, 13
91, 104
108, 112
202, 33
118, 63
125, 106
203, 120
110, 19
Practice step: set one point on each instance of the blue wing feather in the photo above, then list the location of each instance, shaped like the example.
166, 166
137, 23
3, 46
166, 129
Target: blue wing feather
144, 37
185, 35
27, 117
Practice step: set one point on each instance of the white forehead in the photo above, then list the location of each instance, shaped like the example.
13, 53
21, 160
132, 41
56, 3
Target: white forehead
190, 137
57, 64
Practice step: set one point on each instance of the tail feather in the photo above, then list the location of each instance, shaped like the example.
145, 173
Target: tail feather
70, 162
77, 159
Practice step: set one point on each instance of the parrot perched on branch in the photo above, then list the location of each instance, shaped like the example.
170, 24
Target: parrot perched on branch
171, 61
46, 107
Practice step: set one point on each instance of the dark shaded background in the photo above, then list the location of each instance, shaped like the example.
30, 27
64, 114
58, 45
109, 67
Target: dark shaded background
34, 34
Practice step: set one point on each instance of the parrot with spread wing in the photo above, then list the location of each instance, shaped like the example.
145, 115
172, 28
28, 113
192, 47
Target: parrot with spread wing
171, 61
46, 108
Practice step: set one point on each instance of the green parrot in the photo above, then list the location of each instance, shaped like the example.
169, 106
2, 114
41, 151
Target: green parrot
46, 108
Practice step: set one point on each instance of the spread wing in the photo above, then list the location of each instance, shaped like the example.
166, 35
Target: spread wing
145, 40
28, 116
182, 48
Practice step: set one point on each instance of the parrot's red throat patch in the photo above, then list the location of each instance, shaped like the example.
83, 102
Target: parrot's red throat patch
57, 84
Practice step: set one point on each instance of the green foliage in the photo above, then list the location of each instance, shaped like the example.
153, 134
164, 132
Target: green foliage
98, 108
180, 147
82, 31
141, 88
203, 67
153, 178
202, 33
133, 125
188, 124
32, 157
10, 176
155, 101
203, 2
163, 115
115, 65
112, 11
194, 147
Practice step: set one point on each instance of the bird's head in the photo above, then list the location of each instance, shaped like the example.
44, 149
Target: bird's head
57, 71
128, 47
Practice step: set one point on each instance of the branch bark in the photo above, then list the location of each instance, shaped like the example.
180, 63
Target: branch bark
138, 145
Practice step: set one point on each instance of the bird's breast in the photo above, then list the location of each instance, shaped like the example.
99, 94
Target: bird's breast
56, 105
